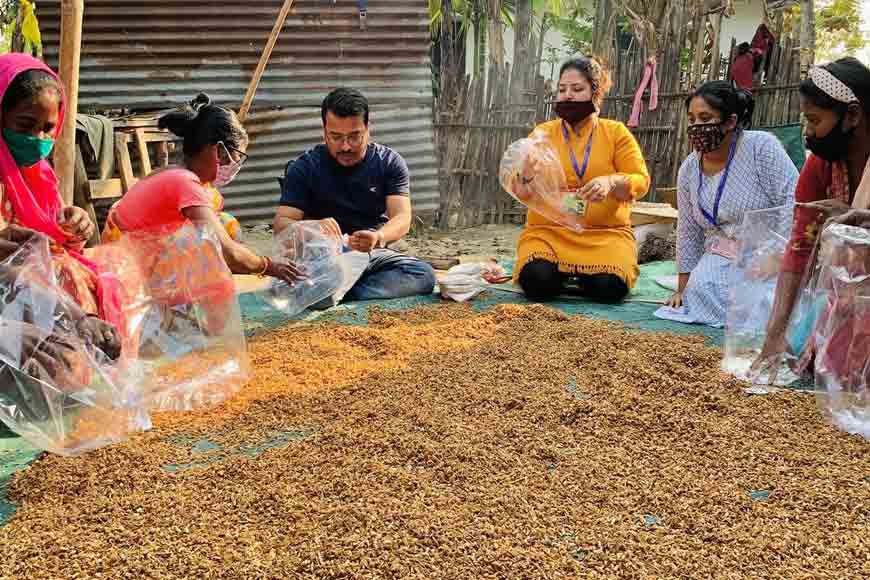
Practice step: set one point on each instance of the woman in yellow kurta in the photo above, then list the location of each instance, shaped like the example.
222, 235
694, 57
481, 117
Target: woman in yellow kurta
605, 167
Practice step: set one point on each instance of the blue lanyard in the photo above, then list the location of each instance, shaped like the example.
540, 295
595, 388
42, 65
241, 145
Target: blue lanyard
713, 219
579, 171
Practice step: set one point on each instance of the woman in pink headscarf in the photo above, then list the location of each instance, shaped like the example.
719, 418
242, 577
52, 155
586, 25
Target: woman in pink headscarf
31, 114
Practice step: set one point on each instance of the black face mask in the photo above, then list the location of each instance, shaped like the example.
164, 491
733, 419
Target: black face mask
572, 112
833, 146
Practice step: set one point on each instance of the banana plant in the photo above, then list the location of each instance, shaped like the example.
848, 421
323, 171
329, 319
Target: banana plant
19, 27
487, 18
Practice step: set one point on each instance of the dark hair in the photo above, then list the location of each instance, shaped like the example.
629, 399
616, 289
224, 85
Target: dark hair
853, 73
344, 102
201, 124
722, 96
743, 48
27, 85
594, 71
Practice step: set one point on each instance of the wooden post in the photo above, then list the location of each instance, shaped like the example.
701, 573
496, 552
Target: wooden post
70, 53
716, 56
264, 59
808, 36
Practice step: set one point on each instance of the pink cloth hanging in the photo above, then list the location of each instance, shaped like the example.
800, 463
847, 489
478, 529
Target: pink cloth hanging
649, 79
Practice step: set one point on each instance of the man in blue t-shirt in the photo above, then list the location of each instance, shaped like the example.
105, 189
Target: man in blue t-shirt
360, 189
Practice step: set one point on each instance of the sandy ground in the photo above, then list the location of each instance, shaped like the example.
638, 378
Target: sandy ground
497, 241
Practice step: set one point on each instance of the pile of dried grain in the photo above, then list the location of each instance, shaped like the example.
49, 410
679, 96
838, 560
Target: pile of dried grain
517, 444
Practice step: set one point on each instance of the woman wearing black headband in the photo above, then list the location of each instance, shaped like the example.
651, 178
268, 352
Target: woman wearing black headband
835, 182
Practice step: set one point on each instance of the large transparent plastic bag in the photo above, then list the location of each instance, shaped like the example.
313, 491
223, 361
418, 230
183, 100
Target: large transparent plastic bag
60, 389
762, 241
191, 348
319, 255
537, 159
841, 333
465, 281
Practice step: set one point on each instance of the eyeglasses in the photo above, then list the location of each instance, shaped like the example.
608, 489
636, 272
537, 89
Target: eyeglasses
354, 139
229, 158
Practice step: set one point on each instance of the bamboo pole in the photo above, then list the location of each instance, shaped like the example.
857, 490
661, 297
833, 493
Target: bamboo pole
264, 59
808, 36
70, 55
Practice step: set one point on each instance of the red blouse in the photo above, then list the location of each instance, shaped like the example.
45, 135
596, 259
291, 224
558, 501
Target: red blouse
818, 181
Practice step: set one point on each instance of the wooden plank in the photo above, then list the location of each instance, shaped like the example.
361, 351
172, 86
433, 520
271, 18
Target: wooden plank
122, 158
82, 195
162, 154
264, 59
109, 188
144, 156
64, 158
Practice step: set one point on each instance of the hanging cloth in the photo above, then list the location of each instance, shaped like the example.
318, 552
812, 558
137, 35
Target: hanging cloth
649, 79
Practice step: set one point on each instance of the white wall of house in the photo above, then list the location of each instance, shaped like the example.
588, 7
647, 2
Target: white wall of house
748, 15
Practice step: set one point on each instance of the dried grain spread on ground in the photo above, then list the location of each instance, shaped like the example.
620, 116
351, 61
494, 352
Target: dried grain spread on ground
445, 444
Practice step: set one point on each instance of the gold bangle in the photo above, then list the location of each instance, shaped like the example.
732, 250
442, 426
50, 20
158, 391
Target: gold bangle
266, 263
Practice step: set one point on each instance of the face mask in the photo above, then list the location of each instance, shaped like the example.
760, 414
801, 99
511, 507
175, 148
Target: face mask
572, 112
706, 137
226, 173
833, 146
27, 150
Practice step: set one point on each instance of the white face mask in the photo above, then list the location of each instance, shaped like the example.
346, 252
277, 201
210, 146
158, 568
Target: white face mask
226, 173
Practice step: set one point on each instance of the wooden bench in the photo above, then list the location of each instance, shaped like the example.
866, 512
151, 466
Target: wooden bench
136, 133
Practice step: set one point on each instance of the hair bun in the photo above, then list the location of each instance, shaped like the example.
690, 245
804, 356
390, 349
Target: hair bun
199, 101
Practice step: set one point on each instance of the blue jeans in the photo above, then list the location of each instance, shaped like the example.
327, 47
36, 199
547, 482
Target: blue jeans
392, 275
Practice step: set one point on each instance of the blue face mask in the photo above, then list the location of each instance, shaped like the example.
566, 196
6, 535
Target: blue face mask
27, 150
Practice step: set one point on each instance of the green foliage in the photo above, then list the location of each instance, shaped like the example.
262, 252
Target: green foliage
19, 27
838, 29
576, 30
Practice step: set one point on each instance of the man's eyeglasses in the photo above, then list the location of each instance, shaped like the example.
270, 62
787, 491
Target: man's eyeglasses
354, 139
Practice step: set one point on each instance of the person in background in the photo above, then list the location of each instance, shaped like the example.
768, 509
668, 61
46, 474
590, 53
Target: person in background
358, 189
731, 171
214, 151
604, 164
741, 68
834, 184
32, 115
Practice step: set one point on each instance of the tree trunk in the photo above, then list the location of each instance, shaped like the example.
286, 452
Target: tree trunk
495, 38
808, 36
480, 32
716, 52
523, 59
700, 28
600, 36
448, 65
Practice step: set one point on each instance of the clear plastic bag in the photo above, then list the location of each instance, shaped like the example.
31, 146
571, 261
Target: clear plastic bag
841, 334
465, 281
318, 254
536, 158
62, 387
191, 351
763, 237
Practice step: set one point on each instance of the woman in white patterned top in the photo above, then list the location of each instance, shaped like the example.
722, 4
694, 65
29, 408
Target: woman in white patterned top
731, 171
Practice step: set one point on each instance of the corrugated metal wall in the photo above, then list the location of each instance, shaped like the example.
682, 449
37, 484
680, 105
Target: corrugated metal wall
153, 54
